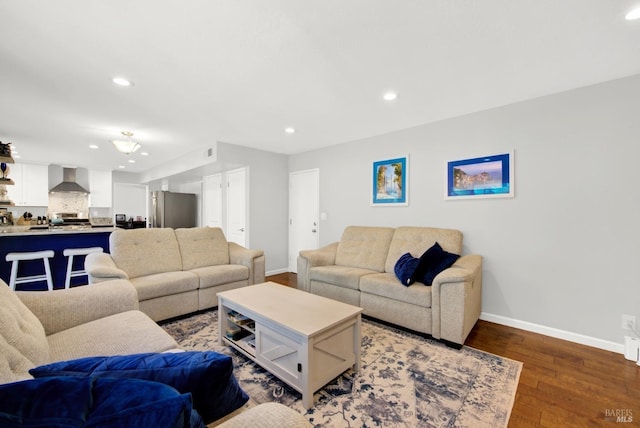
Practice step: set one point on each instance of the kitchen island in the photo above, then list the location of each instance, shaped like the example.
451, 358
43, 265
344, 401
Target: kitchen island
16, 239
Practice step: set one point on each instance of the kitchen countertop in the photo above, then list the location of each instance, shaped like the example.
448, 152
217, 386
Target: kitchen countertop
55, 230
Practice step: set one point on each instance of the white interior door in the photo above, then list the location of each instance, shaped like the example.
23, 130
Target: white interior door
237, 207
212, 200
304, 227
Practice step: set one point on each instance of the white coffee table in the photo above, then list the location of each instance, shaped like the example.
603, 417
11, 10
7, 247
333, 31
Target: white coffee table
304, 339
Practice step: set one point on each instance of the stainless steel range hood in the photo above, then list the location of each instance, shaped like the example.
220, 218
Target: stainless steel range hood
69, 184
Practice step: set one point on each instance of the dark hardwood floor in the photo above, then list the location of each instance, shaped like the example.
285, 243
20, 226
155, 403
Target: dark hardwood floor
562, 384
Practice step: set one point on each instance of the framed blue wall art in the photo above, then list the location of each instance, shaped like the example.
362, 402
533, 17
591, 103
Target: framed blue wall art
484, 177
390, 182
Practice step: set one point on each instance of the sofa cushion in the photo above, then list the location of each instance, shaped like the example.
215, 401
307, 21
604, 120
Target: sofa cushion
365, 248
90, 402
386, 285
23, 343
267, 415
202, 246
405, 268
77, 305
141, 252
208, 376
211, 276
416, 240
343, 276
164, 284
124, 333
432, 262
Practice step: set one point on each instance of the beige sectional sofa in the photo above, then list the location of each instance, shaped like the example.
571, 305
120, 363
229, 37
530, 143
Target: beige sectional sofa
38, 328
359, 270
176, 272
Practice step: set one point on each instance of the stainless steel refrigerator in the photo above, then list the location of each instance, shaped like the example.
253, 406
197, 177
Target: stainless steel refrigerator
169, 209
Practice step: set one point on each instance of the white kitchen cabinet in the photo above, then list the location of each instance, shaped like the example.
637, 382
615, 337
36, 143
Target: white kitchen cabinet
100, 188
31, 187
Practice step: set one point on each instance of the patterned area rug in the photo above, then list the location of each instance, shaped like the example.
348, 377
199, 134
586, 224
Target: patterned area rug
405, 381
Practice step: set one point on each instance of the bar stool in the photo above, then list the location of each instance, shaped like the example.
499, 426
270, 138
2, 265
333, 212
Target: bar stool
15, 258
70, 252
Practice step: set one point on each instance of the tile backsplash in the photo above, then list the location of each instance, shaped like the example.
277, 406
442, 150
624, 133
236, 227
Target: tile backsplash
101, 220
69, 203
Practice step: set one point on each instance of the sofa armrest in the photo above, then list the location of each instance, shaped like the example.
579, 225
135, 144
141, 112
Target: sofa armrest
457, 299
267, 415
307, 259
253, 259
100, 267
62, 309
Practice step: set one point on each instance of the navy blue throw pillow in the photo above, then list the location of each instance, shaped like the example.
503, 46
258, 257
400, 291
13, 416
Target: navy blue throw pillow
208, 376
432, 262
70, 401
405, 268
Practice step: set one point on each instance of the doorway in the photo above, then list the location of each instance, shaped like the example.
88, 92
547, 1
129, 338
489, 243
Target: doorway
237, 205
212, 200
304, 201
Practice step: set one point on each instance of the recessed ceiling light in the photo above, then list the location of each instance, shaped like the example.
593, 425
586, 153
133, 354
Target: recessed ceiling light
122, 81
289, 130
634, 14
121, 166
132, 161
144, 154
93, 146
390, 96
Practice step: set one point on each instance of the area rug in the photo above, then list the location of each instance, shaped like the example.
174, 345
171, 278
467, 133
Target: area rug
405, 381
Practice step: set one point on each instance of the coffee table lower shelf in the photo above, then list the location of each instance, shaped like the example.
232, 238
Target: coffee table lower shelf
304, 361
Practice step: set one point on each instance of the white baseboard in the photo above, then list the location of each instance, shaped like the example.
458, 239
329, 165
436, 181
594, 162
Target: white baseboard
276, 271
554, 332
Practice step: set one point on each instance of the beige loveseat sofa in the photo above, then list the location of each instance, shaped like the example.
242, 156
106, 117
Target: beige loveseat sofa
39, 328
359, 270
176, 272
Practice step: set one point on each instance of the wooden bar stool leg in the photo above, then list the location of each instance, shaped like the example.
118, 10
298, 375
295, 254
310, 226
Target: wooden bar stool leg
67, 280
14, 275
47, 269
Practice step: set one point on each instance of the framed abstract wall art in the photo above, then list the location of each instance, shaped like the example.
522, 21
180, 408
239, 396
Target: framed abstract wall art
484, 177
390, 182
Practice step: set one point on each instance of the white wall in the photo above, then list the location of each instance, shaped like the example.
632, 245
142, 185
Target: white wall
131, 200
562, 256
268, 201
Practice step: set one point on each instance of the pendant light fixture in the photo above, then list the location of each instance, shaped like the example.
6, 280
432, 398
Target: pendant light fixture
126, 146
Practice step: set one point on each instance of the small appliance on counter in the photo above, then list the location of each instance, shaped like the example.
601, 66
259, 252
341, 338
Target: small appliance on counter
123, 223
6, 218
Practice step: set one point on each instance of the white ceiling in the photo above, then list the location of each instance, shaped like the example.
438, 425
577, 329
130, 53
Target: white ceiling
240, 71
